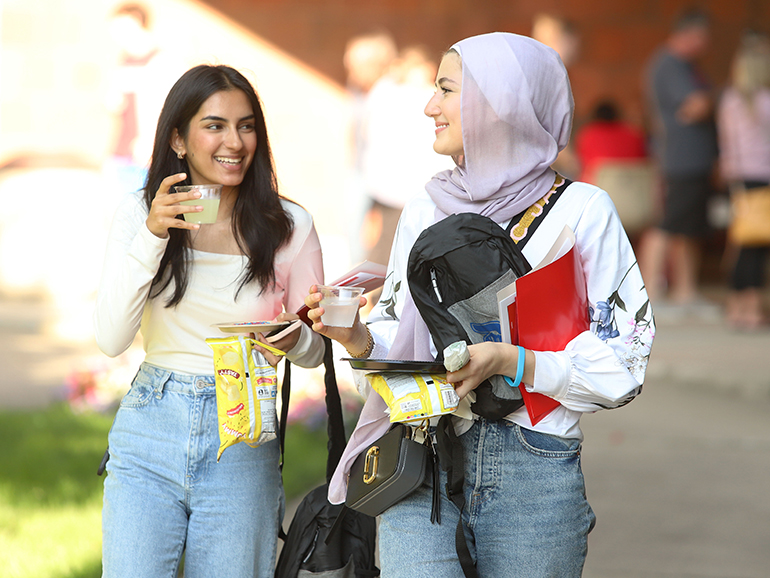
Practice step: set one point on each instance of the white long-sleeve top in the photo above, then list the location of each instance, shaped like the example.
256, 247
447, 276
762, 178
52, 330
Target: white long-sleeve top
174, 337
603, 367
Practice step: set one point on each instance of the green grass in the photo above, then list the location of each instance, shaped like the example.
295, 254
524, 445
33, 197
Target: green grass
304, 461
51, 497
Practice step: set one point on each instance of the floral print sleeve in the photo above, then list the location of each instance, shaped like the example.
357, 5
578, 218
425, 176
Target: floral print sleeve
603, 367
604, 322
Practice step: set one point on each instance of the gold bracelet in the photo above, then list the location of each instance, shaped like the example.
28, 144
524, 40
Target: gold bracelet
369, 346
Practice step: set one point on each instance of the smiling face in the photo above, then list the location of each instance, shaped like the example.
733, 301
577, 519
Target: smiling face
444, 106
221, 140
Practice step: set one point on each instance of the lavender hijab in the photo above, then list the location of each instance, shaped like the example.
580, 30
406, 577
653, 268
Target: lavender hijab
517, 115
516, 108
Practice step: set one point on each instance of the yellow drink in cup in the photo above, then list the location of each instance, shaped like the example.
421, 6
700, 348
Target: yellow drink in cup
209, 200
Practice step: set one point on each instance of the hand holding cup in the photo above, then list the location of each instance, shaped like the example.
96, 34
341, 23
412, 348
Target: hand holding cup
208, 199
353, 336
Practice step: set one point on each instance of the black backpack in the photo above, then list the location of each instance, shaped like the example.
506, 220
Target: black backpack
324, 537
455, 269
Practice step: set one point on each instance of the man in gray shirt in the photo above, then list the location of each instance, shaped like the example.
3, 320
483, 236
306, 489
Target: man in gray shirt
685, 145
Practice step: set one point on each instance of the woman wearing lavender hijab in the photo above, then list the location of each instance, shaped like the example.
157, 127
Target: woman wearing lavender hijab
503, 110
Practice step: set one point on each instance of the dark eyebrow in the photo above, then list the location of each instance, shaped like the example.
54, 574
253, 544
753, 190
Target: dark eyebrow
446, 79
220, 119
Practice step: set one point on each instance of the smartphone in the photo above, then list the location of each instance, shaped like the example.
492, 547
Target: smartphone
282, 332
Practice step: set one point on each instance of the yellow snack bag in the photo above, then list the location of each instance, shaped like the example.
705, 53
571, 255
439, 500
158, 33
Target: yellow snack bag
414, 396
246, 391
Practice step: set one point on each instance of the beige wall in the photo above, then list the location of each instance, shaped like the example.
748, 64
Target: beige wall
55, 63
56, 59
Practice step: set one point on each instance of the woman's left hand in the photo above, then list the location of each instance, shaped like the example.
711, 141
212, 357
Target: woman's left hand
271, 357
487, 359
286, 343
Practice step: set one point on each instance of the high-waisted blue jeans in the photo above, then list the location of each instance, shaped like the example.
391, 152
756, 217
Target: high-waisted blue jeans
526, 513
165, 493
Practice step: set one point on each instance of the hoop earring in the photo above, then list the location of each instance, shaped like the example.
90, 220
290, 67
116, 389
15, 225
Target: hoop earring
180, 156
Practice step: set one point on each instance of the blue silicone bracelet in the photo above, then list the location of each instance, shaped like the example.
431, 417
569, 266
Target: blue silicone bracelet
519, 368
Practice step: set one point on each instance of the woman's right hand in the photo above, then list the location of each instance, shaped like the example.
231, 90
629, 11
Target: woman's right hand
165, 208
355, 339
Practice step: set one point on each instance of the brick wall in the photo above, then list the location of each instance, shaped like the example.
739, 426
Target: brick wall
617, 36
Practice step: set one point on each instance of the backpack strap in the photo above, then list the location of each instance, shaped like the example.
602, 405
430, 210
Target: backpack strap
283, 422
335, 426
523, 225
284, 419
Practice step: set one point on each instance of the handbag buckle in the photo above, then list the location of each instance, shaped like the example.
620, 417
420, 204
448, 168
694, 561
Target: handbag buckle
370, 464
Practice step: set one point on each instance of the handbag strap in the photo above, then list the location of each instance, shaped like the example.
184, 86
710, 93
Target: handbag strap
335, 422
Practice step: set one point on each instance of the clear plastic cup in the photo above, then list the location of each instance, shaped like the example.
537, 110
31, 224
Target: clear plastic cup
340, 305
209, 200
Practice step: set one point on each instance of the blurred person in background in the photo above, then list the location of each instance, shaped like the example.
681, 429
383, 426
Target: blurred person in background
562, 35
558, 33
607, 137
138, 84
743, 123
171, 280
686, 149
367, 58
394, 122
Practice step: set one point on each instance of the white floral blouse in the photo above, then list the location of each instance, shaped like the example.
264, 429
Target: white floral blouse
601, 368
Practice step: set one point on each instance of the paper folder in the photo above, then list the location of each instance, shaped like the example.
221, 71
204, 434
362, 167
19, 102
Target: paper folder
545, 309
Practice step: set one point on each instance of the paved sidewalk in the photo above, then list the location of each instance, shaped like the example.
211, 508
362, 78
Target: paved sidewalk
35, 363
678, 481
707, 354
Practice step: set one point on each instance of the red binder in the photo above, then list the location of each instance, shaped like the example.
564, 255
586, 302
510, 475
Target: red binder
550, 309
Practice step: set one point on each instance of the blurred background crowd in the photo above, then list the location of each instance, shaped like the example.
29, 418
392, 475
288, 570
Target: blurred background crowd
344, 85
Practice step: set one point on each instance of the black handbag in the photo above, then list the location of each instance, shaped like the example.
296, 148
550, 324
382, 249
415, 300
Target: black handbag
388, 470
326, 539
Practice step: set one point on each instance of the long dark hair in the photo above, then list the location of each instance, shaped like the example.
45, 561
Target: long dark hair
260, 223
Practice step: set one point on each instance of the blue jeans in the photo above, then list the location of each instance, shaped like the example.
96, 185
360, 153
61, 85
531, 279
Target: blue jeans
165, 493
526, 513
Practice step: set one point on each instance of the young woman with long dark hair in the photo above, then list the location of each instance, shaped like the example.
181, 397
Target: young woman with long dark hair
171, 279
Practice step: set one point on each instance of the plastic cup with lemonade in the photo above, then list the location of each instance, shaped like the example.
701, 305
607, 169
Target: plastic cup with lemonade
209, 200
